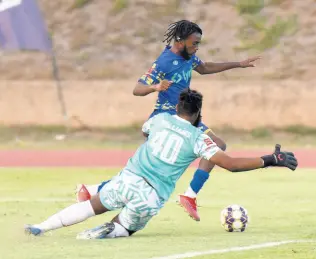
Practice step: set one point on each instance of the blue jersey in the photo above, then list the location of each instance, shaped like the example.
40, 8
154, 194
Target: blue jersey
173, 144
172, 67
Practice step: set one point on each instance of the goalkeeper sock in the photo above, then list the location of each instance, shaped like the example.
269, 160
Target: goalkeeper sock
190, 193
73, 214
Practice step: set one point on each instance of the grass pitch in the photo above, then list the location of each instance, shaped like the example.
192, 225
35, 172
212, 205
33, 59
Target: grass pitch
281, 205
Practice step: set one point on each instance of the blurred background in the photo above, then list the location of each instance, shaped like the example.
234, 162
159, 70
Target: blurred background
101, 48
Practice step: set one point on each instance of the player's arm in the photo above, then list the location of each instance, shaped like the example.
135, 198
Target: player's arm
212, 68
223, 160
206, 148
153, 80
142, 89
278, 158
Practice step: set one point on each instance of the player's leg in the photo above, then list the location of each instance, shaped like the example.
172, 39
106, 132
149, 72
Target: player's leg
201, 175
71, 215
107, 199
143, 203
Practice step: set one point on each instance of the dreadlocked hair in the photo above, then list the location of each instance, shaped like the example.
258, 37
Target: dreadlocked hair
190, 103
180, 30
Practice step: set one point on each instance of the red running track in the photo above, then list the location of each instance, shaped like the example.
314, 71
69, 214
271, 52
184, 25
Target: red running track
111, 158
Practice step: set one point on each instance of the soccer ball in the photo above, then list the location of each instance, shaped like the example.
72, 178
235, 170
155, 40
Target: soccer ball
234, 218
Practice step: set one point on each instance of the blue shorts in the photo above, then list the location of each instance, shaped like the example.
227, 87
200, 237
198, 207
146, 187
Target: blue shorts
201, 125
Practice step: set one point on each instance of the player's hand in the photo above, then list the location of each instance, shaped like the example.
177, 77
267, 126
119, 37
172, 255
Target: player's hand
284, 159
163, 86
249, 62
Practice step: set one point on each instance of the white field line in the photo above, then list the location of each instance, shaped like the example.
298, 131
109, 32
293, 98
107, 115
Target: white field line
233, 249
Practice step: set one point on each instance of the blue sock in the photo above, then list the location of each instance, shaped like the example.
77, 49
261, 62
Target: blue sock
199, 178
102, 184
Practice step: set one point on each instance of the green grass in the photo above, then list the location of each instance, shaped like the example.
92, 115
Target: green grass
281, 205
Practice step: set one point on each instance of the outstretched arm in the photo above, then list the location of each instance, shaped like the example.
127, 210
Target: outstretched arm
223, 160
212, 68
278, 158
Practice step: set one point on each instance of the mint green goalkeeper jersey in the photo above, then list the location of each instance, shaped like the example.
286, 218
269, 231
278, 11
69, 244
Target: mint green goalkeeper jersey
173, 144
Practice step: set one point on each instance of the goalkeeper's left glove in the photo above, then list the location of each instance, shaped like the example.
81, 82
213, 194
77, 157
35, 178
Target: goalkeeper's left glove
279, 158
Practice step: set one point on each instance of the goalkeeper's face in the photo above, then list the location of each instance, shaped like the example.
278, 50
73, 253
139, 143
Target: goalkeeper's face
191, 45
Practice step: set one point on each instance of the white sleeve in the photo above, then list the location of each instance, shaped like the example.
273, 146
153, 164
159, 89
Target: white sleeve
205, 147
147, 126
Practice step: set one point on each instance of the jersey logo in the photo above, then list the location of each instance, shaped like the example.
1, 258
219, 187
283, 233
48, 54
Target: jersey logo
186, 76
208, 141
280, 157
175, 62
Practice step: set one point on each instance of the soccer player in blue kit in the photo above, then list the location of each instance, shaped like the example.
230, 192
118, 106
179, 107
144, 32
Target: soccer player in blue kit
144, 185
169, 75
